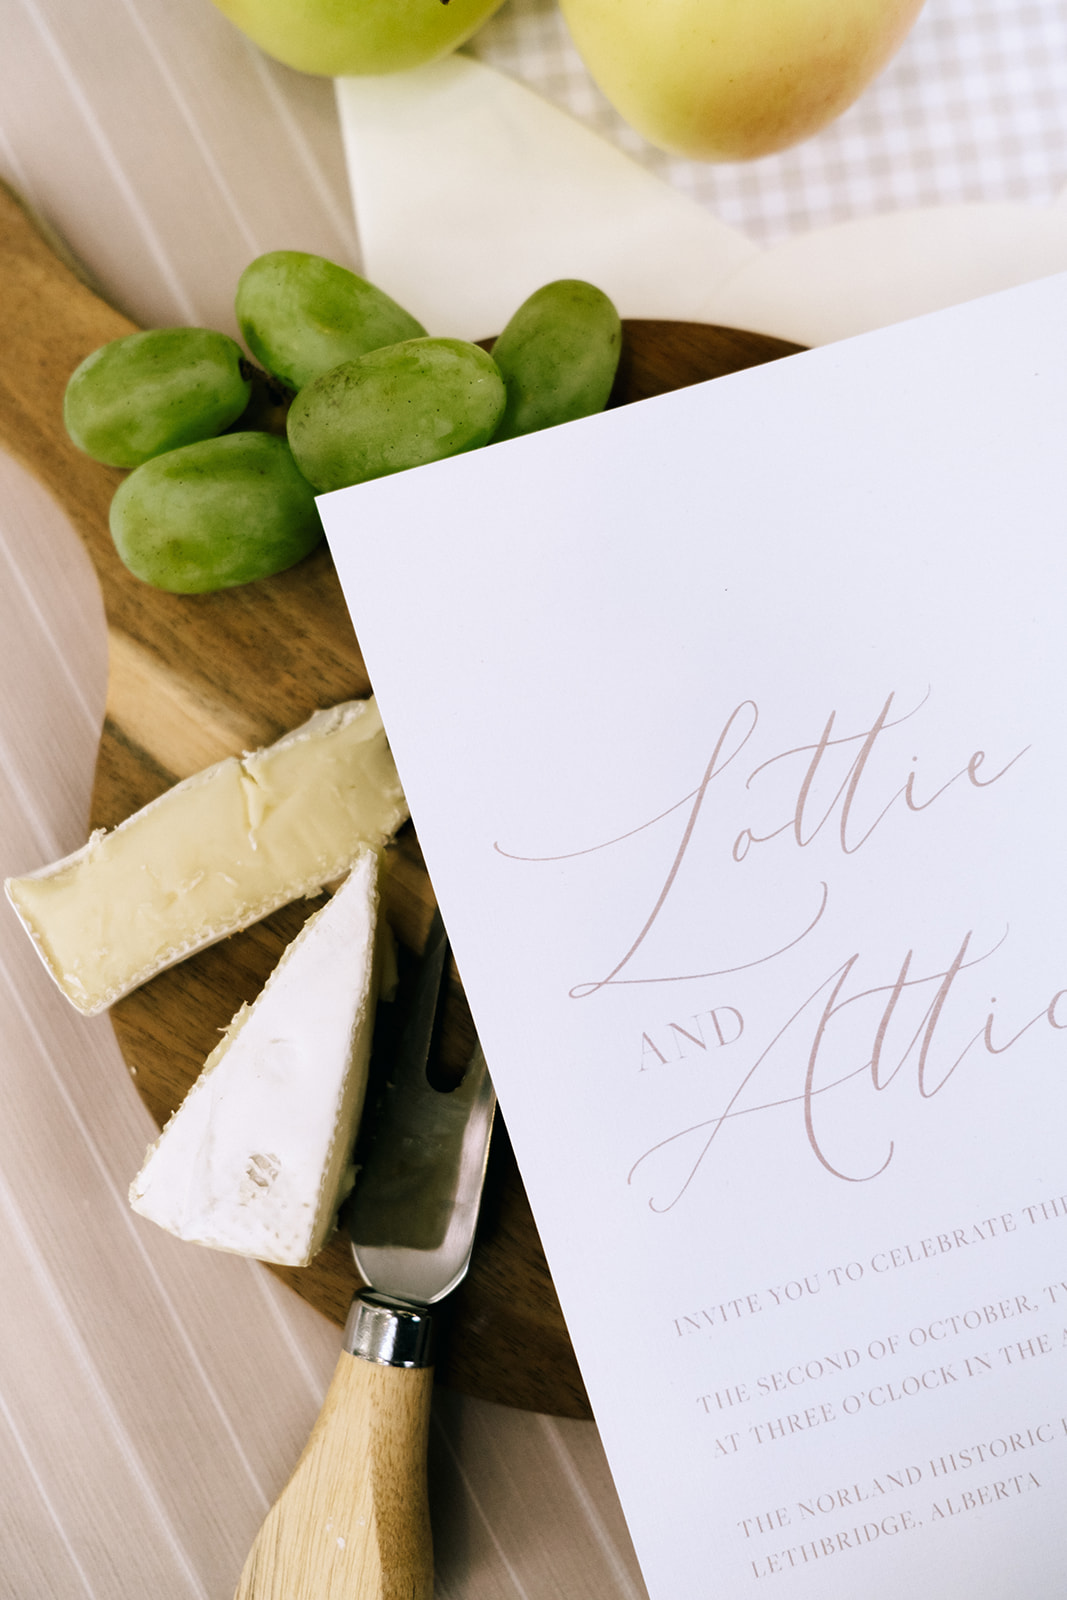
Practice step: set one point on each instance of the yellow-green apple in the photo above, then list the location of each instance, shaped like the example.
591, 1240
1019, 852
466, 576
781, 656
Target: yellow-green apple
729, 80
338, 37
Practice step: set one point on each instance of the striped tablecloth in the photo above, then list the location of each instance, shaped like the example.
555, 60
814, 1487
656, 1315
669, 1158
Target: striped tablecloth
154, 1396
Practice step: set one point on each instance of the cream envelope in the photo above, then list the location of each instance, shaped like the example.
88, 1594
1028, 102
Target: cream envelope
471, 191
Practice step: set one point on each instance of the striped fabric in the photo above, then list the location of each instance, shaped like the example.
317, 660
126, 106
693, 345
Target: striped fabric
154, 1396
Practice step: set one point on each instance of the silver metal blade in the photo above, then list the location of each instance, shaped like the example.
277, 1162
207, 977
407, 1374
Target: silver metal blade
415, 1205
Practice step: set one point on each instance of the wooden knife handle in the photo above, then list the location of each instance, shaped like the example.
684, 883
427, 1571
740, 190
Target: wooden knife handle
353, 1521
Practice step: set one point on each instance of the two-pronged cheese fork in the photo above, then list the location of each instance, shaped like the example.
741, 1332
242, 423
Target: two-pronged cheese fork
353, 1521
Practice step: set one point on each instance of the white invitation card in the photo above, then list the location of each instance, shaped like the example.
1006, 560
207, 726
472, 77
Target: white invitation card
734, 728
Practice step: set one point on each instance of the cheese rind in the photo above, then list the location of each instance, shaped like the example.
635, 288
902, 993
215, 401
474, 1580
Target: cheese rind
257, 1158
212, 855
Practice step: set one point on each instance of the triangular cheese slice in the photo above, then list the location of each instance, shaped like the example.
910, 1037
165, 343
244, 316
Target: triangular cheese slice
257, 1158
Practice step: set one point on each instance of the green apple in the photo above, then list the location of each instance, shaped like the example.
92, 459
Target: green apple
339, 37
730, 80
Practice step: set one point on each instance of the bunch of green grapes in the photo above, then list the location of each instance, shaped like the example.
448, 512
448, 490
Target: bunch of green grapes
216, 496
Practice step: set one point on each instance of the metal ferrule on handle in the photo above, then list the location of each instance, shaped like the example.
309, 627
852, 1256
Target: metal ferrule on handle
389, 1334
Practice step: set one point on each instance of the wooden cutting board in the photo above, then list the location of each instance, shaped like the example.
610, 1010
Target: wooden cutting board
195, 678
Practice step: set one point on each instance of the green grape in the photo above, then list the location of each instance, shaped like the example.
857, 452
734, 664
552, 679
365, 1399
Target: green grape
395, 408
149, 392
300, 315
214, 514
558, 356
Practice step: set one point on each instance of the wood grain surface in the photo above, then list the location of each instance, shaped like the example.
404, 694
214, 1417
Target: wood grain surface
194, 678
354, 1518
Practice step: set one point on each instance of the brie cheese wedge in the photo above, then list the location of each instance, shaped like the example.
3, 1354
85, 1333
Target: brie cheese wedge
215, 853
257, 1158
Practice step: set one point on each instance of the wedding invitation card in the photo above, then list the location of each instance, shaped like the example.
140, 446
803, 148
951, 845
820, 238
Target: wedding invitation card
734, 729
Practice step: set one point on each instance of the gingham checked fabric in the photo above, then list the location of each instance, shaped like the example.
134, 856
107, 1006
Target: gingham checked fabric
972, 108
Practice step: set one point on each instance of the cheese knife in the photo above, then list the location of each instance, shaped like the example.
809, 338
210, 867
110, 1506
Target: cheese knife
353, 1521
